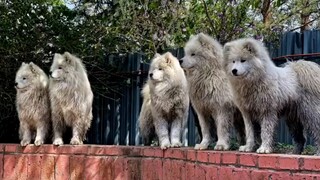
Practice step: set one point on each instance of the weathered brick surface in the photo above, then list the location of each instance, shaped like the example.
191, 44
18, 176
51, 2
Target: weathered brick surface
130, 162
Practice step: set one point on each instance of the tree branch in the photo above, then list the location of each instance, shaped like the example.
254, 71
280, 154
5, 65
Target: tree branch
207, 14
305, 24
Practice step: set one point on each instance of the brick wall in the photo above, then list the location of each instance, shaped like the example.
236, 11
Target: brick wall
132, 162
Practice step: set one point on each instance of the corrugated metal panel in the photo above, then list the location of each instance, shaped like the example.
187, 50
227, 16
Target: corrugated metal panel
115, 117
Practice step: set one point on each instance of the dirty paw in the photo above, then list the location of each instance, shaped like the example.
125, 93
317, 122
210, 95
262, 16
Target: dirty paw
58, 142
24, 142
264, 150
176, 144
246, 148
38, 142
221, 147
76, 141
201, 146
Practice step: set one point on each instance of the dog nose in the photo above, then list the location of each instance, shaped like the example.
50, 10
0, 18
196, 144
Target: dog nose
16, 84
234, 71
151, 74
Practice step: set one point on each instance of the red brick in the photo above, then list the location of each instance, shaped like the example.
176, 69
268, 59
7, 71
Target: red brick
190, 168
2, 146
77, 167
267, 161
9, 164
291, 163
200, 172
31, 149
178, 169
202, 156
157, 169
62, 167
133, 168
312, 164
298, 176
47, 169
147, 168
119, 168
92, 167
1, 165
72, 149
260, 175
107, 168
152, 152
191, 155
167, 169
211, 171
229, 158
215, 157
113, 150
225, 173
34, 166
175, 153
21, 166
248, 159
241, 173
280, 176
9, 148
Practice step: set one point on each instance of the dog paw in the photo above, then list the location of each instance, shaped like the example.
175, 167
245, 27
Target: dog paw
38, 142
201, 146
221, 147
246, 148
176, 144
76, 141
165, 145
24, 142
58, 142
264, 150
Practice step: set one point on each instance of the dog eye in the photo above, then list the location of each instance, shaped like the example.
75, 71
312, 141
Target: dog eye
193, 54
24, 78
242, 60
59, 67
233, 61
160, 69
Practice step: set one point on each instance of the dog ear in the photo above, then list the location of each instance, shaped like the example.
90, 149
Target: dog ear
168, 56
203, 39
33, 68
250, 47
226, 48
69, 57
57, 56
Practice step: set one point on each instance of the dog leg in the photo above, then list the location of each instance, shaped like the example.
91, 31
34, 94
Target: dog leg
175, 133
161, 127
268, 126
223, 131
248, 147
205, 130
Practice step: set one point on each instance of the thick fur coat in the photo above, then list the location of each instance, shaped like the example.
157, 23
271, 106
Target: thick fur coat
71, 98
166, 102
32, 103
262, 91
210, 91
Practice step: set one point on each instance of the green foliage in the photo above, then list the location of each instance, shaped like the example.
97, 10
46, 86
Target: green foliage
33, 30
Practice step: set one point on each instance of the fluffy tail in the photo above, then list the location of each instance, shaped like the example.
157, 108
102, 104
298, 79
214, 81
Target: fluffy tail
308, 74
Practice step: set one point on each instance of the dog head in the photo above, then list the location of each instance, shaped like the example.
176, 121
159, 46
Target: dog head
30, 75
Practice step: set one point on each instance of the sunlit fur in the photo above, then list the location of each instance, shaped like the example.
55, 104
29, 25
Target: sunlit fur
210, 92
262, 91
166, 102
32, 103
71, 98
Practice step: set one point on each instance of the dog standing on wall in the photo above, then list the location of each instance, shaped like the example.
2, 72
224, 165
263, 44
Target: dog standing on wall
210, 92
32, 103
71, 98
262, 91
166, 102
